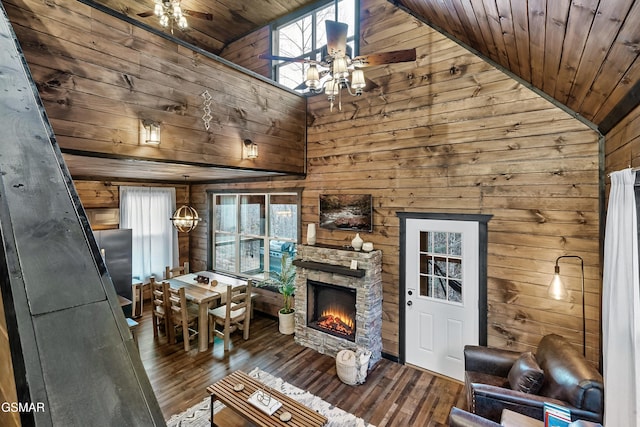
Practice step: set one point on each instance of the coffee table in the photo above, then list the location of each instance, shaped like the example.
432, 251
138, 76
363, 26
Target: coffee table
225, 391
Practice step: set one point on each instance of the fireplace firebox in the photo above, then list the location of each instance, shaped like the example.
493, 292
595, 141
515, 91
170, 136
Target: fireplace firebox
331, 309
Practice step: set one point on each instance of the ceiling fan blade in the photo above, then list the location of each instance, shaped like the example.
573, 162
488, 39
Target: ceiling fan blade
282, 58
385, 58
199, 15
146, 14
336, 38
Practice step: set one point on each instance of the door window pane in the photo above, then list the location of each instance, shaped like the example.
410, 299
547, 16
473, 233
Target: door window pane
441, 265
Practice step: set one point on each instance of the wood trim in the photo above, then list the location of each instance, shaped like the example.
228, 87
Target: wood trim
329, 268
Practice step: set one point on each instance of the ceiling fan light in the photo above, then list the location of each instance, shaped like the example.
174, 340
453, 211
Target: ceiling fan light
158, 10
332, 87
313, 77
357, 80
164, 20
177, 11
182, 22
340, 67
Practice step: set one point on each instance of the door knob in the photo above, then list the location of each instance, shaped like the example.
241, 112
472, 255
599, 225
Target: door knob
409, 302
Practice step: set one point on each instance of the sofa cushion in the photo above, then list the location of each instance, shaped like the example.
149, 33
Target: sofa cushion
525, 374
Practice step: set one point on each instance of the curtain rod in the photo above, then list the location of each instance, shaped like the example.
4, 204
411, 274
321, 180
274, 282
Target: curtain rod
635, 169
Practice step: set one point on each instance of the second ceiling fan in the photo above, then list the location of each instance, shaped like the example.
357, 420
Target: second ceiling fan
337, 70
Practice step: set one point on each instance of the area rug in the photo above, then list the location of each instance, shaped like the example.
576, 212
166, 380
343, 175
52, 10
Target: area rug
198, 415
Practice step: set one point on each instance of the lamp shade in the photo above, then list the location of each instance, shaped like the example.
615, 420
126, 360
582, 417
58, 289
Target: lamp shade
185, 218
556, 288
313, 77
340, 68
332, 87
357, 80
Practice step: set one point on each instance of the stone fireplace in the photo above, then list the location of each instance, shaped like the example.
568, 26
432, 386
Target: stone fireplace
338, 307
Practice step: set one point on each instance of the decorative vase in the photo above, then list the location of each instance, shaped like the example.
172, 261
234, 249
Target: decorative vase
357, 242
367, 246
311, 234
287, 323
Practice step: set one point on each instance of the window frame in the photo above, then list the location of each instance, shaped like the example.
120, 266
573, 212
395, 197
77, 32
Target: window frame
316, 50
211, 231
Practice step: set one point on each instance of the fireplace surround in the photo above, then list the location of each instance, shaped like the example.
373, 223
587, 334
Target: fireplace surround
330, 266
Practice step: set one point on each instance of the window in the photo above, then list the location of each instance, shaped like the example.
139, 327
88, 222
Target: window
251, 232
305, 36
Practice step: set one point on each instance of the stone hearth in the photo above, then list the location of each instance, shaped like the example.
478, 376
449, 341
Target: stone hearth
329, 264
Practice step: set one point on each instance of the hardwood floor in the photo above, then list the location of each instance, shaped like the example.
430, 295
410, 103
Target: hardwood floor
393, 395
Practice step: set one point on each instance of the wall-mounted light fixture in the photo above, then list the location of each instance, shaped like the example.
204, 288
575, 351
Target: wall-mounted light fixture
149, 132
249, 149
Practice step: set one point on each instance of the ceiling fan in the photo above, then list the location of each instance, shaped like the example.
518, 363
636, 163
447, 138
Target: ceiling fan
337, 70
170, 13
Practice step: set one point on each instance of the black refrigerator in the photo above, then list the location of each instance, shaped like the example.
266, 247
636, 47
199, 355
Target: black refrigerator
115, 247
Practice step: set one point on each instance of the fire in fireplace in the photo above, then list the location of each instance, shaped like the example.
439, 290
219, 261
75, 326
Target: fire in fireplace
331, 309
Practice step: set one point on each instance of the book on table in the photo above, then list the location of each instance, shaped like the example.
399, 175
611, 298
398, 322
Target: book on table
264, 401
556, 415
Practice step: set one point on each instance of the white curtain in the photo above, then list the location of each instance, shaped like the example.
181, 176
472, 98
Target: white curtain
147, 212
621, 305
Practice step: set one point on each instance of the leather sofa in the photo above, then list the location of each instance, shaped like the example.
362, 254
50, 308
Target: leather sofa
565, 378
461, 418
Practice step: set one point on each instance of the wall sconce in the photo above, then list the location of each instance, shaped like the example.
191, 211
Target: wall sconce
249, 149
150, 132
558, 291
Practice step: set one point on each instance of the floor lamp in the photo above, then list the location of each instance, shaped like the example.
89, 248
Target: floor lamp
558, 291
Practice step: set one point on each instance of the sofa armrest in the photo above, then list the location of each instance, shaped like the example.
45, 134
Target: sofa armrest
489, 401
492, 361
461, 418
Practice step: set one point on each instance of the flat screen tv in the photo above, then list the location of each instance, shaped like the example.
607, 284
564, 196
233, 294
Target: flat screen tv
346, 212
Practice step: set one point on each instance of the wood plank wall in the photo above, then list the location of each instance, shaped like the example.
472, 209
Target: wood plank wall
106, 194
622, 149
452, 134
245, 51
8, 391
99, 76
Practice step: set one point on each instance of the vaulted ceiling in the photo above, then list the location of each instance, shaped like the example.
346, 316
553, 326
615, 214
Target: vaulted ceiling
582, 53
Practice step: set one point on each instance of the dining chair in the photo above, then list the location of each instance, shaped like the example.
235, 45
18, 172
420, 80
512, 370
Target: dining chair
176, 271
233, 314
160, 299
183, 316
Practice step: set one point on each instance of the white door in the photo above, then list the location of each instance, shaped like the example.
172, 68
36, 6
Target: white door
441, 293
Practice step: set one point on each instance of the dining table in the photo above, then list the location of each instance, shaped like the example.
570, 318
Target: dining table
204, 294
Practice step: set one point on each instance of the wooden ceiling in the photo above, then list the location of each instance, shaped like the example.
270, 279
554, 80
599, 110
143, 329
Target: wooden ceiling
582, 53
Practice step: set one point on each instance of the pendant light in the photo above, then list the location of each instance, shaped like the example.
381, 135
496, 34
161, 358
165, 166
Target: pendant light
185, 218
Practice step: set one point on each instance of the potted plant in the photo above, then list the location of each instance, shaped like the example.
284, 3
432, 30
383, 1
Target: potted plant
284, 280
